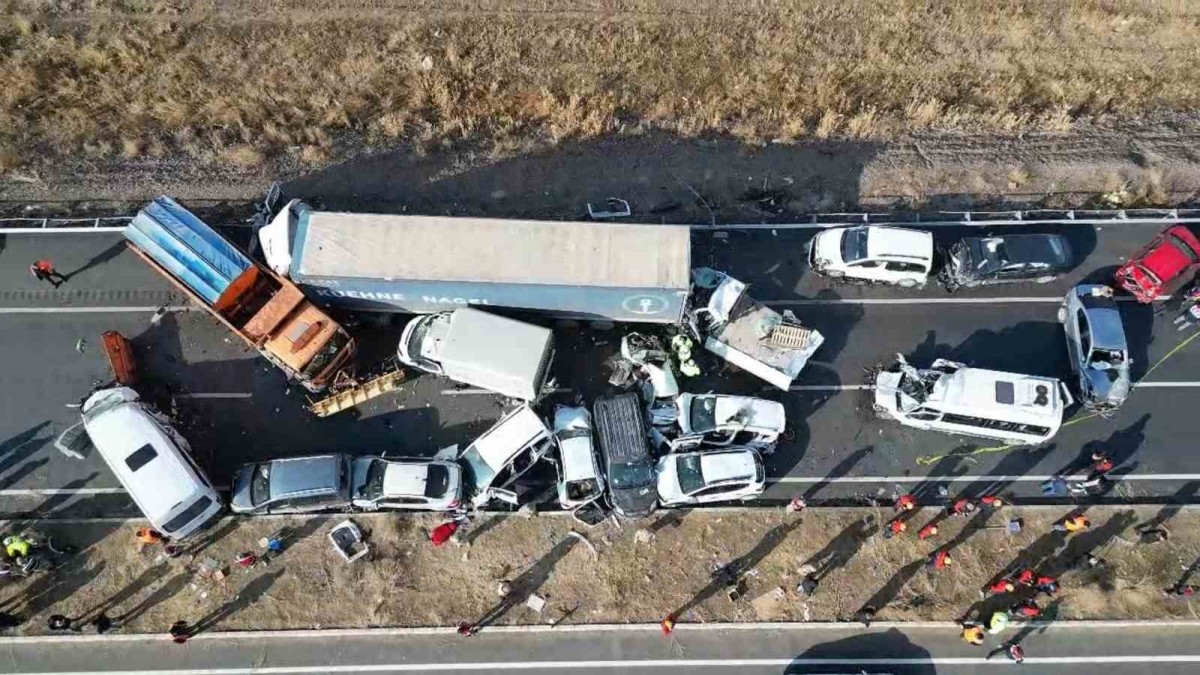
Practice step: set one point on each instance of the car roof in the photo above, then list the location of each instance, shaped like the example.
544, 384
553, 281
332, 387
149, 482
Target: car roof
509, 436
718, 467
1166, 260
305, 474
1052, 249
405, 478
970, 389
887, 242
1104, 321
578, 459
763, 414
123, 429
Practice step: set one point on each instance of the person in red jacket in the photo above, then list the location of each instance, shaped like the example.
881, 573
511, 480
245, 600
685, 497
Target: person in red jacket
1026, 577
1028, 609
905, 503
1005, 585
939, 560
442, 533
894, 528
1047, 585
927, 532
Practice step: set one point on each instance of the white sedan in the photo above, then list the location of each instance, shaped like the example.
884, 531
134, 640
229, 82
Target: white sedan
719, 419
870, 253
409, 484
686, 478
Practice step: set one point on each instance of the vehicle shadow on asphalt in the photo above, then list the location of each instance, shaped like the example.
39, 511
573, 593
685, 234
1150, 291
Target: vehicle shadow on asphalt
892, 644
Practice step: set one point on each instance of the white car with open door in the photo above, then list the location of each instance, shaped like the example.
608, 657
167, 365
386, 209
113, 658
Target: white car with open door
406, 484
870, 253
580, 480
502, 454
686, 478
722, 420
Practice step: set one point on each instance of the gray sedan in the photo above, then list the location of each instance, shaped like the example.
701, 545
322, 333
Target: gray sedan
1096, 346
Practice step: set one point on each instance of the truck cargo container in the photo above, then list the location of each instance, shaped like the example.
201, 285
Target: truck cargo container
425, 264
268, 312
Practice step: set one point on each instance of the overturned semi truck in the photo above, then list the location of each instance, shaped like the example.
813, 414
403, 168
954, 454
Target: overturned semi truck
269, 312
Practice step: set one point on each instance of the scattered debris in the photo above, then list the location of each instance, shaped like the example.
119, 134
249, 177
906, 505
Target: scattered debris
617, 208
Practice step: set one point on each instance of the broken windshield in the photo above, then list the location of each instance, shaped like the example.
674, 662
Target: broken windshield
690, 477
854, 244
704, 411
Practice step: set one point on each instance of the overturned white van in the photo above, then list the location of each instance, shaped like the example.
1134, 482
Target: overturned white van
953, 398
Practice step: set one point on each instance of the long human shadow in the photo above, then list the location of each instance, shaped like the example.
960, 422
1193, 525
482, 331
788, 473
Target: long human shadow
840, 469
842, 548
527, 583
50, 589
146, 578
166, 591
475, 532
249, 594
100, 258
1184, 496
892, 587
212, 537
1120, 447
19, 448
742, 564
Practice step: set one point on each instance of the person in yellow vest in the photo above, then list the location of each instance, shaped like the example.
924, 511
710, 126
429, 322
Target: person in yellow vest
16, 546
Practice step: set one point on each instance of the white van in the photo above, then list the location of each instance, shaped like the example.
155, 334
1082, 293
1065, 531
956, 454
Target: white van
956, 399
503, 355
152, 462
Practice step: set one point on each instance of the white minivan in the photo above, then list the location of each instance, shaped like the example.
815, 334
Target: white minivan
151, 460
953, 398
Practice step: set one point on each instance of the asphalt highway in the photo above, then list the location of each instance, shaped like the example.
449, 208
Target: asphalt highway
1057, 649
234, 407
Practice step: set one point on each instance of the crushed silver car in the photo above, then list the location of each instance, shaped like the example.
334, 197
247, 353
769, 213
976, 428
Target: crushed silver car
1096, 346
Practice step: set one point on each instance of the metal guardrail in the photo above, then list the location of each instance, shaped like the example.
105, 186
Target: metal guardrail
810, 221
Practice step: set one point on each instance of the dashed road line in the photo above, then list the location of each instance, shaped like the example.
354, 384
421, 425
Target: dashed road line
979, 478
216, 395
92, 310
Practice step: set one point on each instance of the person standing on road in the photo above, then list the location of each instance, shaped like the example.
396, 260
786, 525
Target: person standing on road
991, 501
904, 503
1101, 465
1012, 651
43, 270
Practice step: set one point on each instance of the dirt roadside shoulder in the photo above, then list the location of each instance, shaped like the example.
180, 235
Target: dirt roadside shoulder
638, 573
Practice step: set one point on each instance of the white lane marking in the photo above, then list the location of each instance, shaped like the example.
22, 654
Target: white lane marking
443, 667
92, 310
1028, 300
979, 478
853, 219
50, 492
61, 230
829, 387
1143, 385
480, 392
216, 395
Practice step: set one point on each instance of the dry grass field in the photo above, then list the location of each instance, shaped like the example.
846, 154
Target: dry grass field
237, 82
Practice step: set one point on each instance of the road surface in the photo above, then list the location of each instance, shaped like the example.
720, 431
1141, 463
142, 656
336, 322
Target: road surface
234, 407
1060, 649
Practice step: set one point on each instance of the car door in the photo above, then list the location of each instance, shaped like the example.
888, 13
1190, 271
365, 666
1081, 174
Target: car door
719, 493
904, 273
867, 270
1083, 347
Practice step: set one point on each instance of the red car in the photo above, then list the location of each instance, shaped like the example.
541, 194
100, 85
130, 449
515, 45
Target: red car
1170, 255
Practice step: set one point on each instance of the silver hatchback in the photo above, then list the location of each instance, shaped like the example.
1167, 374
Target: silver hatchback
1096, 346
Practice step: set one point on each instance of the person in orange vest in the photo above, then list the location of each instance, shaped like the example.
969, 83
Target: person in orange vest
43, 270
1072, 524
939, 560
972, 634
991, 501
905, 502
1026, 577
927, 532
1005, 585
1028, 609
963, 507
894, 528
149, 536
667, 624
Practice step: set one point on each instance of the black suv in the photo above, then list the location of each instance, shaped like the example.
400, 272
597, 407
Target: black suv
621, 435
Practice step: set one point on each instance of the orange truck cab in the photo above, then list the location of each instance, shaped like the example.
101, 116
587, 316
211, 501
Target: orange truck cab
265, 310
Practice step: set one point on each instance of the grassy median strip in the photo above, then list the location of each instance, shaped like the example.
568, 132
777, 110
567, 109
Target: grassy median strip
241, 81
638, 573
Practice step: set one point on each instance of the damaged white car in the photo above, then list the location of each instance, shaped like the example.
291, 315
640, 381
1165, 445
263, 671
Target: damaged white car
580, 480
721, 420
687, 478
874, 254
953, 398
744, 332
